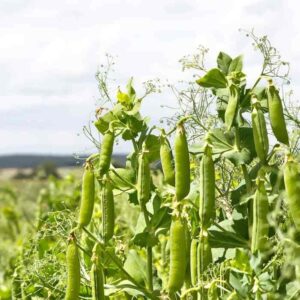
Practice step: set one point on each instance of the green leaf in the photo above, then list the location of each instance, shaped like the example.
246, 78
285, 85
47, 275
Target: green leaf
236, 65
145, 239
130, 89
229, 237
214, 78
122, 177
123, 98
223, 62
136, 266
102, 123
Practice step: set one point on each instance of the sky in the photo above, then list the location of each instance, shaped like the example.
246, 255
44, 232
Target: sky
51, 50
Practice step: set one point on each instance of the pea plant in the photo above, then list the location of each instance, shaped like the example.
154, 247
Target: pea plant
220, 219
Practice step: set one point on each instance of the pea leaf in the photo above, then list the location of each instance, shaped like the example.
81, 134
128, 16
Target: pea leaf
214, 78
136, 266
102, 123
123, 98
236, 65
223, 62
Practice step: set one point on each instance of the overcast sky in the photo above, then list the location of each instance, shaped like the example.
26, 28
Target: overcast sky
50, 51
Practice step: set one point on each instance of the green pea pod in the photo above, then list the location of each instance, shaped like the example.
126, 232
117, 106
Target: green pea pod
204, 254
97, 277
108, 209
207, 207
292, 186
87, 197
106, 152
166, 159
193, 261
177, 254
73, 267
276, 115
260, 227
182, 164
144, 178
260, 134
232, 105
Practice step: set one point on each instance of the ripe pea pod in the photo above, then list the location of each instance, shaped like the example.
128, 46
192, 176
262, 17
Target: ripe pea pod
182, 164
108, 209
260, 134
87, 196
232, 105
97, 277
276, 114
292, 186
260, 227
177, 254
106, 152
204, 254
73, 267
166, 159
193, 261
207, 210
144, 178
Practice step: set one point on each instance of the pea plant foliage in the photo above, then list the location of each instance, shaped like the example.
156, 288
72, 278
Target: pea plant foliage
207, 205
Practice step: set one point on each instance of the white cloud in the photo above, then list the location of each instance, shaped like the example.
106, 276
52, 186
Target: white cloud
50, 51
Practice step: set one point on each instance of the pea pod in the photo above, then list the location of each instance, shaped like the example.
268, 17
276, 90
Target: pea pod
166, 159
260, 134
232, 105
144, 178
207, 210
292, 186
108, 209
87, 196
73, 267
182, 164
193, 262
204, 254
177, 254
276, 114
97, 277
260, 227
106, 152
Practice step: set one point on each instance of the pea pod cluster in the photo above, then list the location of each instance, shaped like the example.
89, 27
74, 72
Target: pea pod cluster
108, 209
166, 159
97, 277
260, 228
260, 133
73, 268
87, 196
182, 164
276, 114
292, 186
177, 254
207, 196
106, 152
